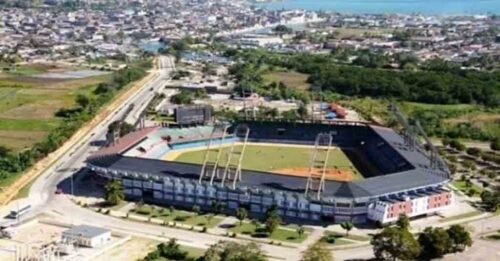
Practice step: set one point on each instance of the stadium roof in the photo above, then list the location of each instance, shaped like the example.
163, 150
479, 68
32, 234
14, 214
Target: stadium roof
374, 186
417, 176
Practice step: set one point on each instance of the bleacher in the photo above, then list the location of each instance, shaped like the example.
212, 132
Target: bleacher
125, 142
160, 142
366, 142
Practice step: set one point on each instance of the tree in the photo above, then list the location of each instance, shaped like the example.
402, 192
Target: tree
403, 221
300, 231
82, 100
302, 111
347, 226
217, 206
272, 223
490, 200
395, 243
196, 209
233, 251
474, 151
114, 192
495, 144
460, 238
317, 252
4, 151
184, 97
241, 214
171, 250
435, 242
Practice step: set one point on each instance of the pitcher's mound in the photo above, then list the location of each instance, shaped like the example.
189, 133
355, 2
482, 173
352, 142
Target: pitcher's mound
331, 174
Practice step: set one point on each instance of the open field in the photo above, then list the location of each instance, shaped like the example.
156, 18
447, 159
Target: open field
283, 159
291, 79
462, 186
28, 105
360, 32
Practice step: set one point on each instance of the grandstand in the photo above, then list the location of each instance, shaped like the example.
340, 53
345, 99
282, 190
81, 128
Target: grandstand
393, 171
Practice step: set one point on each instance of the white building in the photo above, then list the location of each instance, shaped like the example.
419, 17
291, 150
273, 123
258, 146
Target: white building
87, 236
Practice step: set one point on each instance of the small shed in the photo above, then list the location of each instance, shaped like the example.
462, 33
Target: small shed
88, 236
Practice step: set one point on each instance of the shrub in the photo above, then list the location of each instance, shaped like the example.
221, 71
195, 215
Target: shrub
330, 238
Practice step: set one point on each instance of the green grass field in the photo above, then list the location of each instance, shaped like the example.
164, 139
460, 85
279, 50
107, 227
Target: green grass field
179, 216
28, 105
275, 158
291, 79
280, 234
462, 186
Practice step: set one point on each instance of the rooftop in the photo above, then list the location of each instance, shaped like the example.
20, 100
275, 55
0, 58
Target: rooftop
85, 231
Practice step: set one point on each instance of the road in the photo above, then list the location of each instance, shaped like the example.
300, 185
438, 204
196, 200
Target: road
44, 200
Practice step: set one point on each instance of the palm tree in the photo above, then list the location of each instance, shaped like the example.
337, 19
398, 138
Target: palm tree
347, 226
114, 192
241, 214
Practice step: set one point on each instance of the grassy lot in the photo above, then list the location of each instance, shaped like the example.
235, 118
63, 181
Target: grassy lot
24, 191
280, 234
461, 216
335, 239
274, 158
368, 108
28, 105
291, 79
461, 185
193, 252
494, 237
180, 216
360, 32
25, 69
350, 236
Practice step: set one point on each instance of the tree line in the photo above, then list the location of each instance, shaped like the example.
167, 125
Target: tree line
396, 242
13, 163
433, 84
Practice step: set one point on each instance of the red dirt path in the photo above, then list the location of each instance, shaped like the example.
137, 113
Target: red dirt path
331, 174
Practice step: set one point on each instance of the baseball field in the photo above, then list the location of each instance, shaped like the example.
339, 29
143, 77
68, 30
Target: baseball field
278, 158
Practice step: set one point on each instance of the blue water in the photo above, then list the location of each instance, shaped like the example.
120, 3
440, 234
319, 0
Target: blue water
430, 7
151, 46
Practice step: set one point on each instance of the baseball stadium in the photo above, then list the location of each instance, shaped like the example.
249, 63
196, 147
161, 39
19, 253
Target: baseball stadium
311, 171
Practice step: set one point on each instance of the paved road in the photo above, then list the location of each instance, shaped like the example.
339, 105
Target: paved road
44, 200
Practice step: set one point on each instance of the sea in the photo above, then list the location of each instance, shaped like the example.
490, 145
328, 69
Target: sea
426, 7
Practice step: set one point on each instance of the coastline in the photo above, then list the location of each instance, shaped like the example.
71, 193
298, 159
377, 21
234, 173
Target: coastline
378, 7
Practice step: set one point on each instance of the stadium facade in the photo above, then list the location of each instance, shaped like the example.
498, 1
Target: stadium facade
400, 175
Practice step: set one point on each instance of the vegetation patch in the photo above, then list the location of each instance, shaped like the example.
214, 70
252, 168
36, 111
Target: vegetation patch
258, 231
291, 79
172, 215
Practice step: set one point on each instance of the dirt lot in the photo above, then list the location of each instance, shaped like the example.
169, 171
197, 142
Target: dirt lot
331, 174
132, 250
